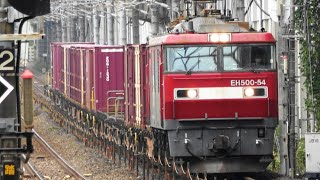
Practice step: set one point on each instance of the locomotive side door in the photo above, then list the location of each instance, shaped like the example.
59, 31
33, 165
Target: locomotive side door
154, 84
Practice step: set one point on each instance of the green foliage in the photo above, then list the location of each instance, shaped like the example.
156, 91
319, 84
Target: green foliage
300, 157
308, 24
275, 165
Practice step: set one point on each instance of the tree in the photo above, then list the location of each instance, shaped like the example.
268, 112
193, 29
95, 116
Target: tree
308, 25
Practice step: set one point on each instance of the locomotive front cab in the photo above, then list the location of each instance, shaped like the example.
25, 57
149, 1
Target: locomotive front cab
218, 106
201, 80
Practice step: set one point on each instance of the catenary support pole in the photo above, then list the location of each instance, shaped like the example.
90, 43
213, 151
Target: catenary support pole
135, 26
64, 29
102, 26
110, 22
95, 26
175, 9
123, 25
291, 93
81, 27
154, 20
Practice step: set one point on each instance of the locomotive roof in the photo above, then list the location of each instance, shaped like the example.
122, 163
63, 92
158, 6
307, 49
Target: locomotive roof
190, 38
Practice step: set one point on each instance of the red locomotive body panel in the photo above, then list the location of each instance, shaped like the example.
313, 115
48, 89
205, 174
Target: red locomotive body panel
222, 96
242, 38
108, 76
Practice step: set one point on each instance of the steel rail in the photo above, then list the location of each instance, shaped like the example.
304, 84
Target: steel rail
34, 173
59, 159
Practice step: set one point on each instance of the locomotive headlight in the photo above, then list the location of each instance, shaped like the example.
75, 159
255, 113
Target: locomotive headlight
255, 92
219, 37
249, 92
224, 37
192, 93
214, 37
186, 94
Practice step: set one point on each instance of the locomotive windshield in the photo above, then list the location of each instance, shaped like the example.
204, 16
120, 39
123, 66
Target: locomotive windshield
189, 59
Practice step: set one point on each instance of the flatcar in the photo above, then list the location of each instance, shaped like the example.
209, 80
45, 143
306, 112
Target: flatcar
207, 97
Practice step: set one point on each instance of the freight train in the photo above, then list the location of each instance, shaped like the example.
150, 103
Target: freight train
196, 97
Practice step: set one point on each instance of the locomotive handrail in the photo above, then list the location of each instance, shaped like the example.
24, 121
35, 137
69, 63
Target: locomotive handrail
173, 110
268, 107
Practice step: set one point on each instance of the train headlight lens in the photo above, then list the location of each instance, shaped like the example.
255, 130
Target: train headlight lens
224, 37
214, 37
219, 37
255, 92
187, 94
192, 93
249, 92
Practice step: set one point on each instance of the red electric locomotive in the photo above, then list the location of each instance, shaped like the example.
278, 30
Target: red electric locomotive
208, 97
214, 96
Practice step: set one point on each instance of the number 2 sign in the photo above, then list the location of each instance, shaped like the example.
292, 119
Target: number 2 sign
6, 60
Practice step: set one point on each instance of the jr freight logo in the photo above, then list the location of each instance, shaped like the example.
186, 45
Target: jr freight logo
107, 67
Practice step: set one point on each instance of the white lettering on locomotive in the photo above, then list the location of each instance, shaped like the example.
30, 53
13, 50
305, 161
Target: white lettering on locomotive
248, 82
107, 69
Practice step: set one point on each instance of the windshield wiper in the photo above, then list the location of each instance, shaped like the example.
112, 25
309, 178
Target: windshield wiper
254, 70
190, 70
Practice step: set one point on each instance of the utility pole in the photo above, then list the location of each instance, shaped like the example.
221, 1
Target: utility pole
68, 21
283, 91
64, 29
87, 25
291, 92
162, 14
110, 22
102, 26
81, 27
241, 10
95, 26
261, 19
123, 25
175, 9
135, 26
154, 20
58, 30
238, 9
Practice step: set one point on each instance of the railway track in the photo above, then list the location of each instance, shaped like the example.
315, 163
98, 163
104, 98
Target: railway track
31, 172
61, 161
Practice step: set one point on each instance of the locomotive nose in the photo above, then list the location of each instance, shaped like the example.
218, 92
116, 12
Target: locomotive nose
220, 143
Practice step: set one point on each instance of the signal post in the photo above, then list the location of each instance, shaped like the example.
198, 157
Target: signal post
8, 117
12, 151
